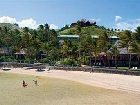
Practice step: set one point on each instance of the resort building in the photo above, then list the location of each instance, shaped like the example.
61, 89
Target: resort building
112, 38
61, 38
103, 59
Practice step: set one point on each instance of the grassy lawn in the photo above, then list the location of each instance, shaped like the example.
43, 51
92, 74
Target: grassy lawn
58, 92
123, 68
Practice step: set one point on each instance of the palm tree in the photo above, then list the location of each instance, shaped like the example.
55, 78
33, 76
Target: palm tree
126, 41
80, 47
40, 32
136, 46
53, 40
36, 45
8, 40
27, 41
64, 49
103, 42
86, 47
47, 30
115, 52
104, 45
95, 49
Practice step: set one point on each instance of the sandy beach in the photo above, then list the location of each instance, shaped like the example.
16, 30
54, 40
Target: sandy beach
109, 81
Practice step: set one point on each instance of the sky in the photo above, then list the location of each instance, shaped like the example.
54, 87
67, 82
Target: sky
120, 14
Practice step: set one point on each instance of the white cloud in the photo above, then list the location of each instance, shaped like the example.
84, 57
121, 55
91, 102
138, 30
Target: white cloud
118, 18
95, 20
6, 19
124, 25
31, 23
128, 24
28, 23
52, 26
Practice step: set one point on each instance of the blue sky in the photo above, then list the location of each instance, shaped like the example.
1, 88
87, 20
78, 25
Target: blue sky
61, 12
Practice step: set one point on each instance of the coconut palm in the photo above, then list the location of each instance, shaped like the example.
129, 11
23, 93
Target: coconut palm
86, 47
115, 52
46, 32
41, 33
136, 46
127, 39
27, 41
64, 50
104, 45
95, 49
103, 42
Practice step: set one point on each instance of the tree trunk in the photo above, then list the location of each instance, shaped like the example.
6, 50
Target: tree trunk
90, 61
108, 64
95, 60
130, 60
138, 59
84, 58
79, 55
116, 62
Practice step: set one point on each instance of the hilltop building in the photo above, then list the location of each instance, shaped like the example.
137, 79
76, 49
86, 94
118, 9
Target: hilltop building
62, 38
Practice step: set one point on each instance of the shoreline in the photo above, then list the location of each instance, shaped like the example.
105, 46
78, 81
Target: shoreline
127, 83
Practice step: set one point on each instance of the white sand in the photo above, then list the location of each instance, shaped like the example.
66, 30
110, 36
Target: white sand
110, 81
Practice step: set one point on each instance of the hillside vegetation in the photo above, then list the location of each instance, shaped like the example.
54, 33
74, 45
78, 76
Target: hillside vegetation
86, 28
89, 30
9, 26
44, 41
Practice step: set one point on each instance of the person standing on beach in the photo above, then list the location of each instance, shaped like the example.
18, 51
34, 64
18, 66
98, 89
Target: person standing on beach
24, 84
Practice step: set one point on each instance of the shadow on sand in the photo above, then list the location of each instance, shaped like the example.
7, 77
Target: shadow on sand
40, 70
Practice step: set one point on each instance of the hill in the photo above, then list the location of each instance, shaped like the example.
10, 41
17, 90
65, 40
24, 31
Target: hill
87, 28
90, 30
9, 25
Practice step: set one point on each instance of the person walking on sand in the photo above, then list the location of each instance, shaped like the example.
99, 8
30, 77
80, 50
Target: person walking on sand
24, 84
35, 82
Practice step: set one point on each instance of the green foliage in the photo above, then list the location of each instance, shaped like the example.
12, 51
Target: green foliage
90, 30
83, 60
43, 40
71, 31
45, 60
69, 61
9, 26
2, 58
7, 59
127, 40
104, 42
